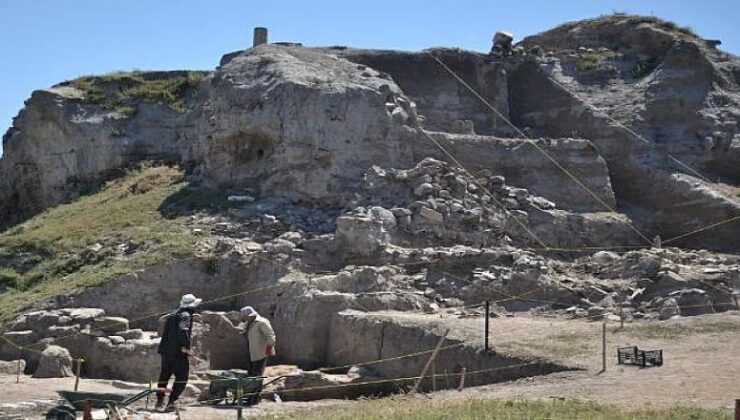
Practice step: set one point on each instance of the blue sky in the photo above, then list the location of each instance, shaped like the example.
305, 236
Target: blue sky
43, 42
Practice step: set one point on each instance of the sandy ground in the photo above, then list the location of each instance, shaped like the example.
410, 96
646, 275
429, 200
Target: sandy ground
701, 367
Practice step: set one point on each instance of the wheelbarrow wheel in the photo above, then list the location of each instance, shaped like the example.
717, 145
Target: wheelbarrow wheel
215, 395
61, 412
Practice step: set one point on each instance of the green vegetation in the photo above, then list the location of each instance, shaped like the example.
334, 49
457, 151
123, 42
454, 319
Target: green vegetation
8, 277
407, 408
591, 60
211, 265
103, 235
120, 91
636, 20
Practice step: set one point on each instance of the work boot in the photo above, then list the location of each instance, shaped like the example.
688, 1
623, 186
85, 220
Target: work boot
171, 407
159, 406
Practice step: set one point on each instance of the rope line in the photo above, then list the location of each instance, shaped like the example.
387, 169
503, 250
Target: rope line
708, 227
536, 146
508, 213
628, 130
687, 167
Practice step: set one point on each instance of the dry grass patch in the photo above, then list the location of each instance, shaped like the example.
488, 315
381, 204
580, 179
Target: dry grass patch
408, 408
94, 239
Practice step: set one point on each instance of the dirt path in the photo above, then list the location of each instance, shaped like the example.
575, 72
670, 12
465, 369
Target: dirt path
43, 394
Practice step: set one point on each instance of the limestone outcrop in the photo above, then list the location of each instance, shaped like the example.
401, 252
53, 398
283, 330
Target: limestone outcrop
332, 188
304, 124
55, 362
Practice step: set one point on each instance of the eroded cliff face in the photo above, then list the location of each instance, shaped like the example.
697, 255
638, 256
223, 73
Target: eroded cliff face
676, 99
70, 137
304, 125
300, 124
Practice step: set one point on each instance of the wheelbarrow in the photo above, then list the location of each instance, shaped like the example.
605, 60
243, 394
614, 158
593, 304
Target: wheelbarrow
76, 401
235, 385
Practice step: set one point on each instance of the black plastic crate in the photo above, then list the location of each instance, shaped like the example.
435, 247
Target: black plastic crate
637, 357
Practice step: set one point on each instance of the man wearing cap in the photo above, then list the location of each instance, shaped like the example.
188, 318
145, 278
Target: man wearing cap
175, 349
260, 340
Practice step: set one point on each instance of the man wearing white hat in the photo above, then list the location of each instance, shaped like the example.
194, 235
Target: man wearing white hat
260, 340
175, 349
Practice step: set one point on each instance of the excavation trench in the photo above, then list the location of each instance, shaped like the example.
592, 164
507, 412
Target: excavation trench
330, 327
374, 354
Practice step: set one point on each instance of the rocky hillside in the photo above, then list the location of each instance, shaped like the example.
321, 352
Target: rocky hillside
303, 124
320, 184
633, 121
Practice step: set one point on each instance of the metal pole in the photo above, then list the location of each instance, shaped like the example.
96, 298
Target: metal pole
488, 310
18, 376
603, 346
239, 398
429, 362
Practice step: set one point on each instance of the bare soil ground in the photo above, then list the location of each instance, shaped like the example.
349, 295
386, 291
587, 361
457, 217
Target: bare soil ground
701, 364
701, 359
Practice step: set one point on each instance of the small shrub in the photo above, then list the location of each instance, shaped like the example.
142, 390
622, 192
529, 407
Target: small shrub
588, 64
8, 277
126, 111
211, 265
589, 61
5, 253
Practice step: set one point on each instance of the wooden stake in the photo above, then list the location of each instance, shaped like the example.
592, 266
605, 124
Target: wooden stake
737, 409
488, 320
434, 377
77, 373
462, 379
603, 347
239, 397
447, 380
429, 362
18, 375
621, 317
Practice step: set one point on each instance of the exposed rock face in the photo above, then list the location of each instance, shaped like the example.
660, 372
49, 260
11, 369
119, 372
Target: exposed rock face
439, 98
62, 145
55, 362
363, 181
670, 88
300, 122
303, 124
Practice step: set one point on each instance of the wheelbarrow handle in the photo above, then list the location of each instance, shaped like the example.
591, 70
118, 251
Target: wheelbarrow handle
142, 394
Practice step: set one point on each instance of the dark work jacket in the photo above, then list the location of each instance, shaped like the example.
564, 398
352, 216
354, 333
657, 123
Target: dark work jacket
177, 332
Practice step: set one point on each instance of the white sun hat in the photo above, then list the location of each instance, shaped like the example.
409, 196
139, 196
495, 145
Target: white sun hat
248, 311
189, 301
